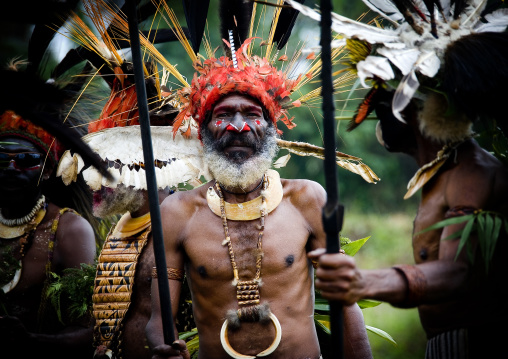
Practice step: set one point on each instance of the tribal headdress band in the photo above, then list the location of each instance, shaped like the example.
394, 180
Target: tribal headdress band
417, 55
12, 124
249, 75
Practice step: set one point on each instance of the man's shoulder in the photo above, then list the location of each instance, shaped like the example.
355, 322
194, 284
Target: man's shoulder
185, 199
303, 190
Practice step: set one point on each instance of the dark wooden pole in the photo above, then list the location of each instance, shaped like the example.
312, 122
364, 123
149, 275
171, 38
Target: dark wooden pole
332, 212
151, 182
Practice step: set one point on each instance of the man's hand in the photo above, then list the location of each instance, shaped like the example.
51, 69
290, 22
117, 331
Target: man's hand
177, 350
338, 278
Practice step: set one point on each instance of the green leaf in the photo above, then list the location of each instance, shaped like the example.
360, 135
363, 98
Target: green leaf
367, 303
487, 237
322, 307
495, 235
454, 235
353, 247
381, 333
187, 335
481, 231
465, 235
320, 321
447, 222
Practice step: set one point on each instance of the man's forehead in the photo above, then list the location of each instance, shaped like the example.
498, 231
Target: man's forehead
14, 143
237, 100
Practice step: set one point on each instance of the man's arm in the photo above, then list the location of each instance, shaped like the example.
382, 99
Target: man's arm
172, 221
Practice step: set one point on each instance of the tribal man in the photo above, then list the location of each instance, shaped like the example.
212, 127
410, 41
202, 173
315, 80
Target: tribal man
121, 307
459, 239
242, 239
39, 237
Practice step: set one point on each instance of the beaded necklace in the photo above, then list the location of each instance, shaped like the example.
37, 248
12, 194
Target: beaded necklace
247, 291
25, 219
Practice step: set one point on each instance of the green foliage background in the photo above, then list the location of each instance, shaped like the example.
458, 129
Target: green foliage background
375, 210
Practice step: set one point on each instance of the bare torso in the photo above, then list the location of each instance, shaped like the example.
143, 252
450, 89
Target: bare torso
286, 272
478, 181
74, 244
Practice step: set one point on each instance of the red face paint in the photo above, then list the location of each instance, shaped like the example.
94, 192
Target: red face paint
245, 127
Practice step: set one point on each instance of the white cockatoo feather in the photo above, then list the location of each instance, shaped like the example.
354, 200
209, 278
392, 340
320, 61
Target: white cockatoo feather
374, 66
497, 21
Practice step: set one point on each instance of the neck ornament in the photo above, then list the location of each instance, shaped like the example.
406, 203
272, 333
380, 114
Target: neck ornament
247, 291
25, 231
25, 219
128, 226
36, 215
249, 210
428, 170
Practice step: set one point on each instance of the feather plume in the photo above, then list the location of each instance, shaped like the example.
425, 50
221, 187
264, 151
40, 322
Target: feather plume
196, 12
44, 110
235, 16
348, 162
285, 25
364, 109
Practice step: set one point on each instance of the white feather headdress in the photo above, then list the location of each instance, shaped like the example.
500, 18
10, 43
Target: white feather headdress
409, 53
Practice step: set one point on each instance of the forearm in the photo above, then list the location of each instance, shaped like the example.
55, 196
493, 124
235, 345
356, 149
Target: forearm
412, 285
356, 341
384, 285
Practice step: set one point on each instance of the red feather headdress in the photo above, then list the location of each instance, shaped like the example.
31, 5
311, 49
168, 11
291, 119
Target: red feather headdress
12, 124
254, 76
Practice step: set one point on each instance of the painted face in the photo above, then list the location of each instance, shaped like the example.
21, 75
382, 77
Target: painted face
238, 124
21, 165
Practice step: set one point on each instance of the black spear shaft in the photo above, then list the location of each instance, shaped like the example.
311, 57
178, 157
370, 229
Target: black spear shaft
151, 183
332, 211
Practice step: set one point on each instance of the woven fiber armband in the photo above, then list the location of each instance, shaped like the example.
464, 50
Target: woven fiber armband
173, 273
416, 285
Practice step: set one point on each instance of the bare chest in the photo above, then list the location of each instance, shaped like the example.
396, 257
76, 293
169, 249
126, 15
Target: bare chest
280, 247
430, 211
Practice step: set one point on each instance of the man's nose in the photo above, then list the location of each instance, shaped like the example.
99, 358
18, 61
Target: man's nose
10, 165
238, 124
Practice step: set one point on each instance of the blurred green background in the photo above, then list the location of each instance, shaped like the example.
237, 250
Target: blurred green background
376, 210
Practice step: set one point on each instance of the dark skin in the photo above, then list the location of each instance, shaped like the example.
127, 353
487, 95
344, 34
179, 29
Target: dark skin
134, 344
192, 239
459, 294
74, 244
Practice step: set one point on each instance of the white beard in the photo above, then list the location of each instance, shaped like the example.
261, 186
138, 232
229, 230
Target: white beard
241, 175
